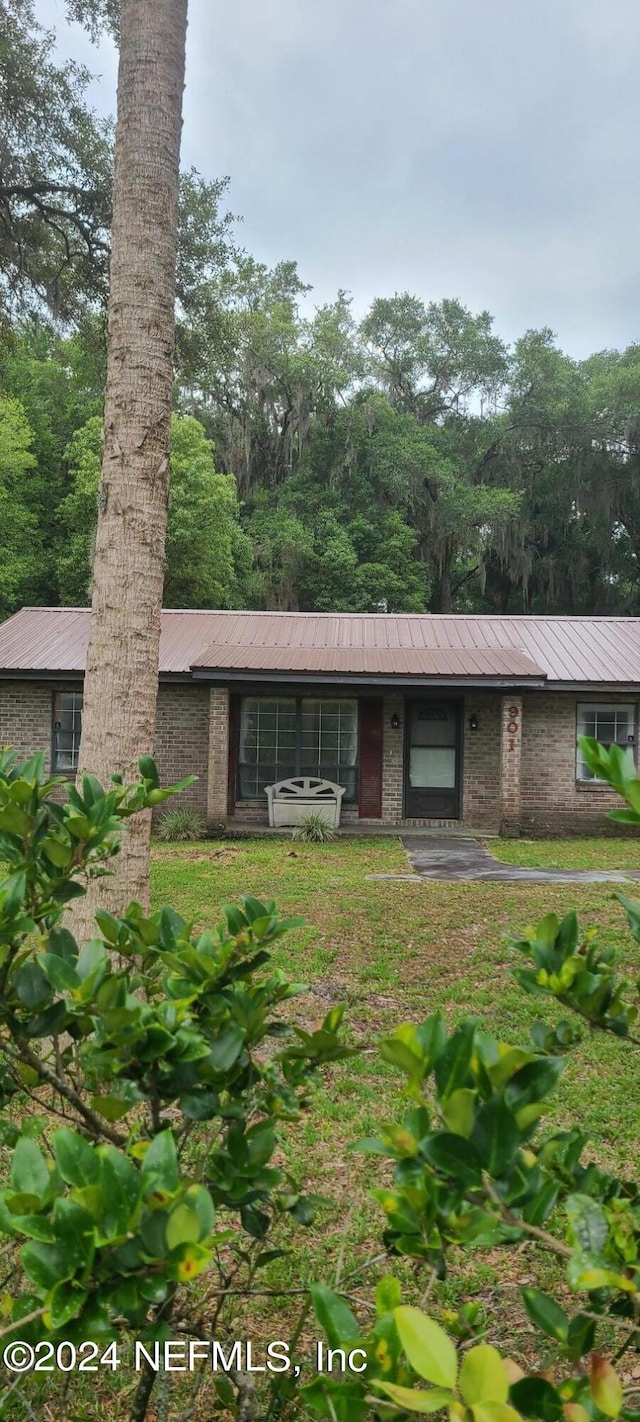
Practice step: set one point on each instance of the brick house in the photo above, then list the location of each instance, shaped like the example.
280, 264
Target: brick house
454, 720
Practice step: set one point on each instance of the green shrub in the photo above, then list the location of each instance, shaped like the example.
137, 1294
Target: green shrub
472, 1167
140, 1039
314, 830
151, 1032
179, 826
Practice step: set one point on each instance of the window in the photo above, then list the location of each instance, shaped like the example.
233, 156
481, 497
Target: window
329, 741
285, 736
612, 724
67, 723
267, 743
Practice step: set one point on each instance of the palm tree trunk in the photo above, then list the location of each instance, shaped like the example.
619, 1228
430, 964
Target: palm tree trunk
121, 681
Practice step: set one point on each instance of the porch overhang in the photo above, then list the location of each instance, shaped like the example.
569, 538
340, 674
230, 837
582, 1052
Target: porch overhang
371, 682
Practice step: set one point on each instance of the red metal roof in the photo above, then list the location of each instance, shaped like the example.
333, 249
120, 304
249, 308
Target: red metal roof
584, 650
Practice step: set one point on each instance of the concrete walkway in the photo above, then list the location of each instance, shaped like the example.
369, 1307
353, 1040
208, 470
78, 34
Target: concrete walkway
457, 859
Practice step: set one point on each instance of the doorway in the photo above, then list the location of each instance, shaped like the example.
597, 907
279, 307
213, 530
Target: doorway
432, 760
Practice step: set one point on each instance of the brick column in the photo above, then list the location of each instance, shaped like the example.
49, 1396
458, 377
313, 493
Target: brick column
510, 759
393, 760
218, 757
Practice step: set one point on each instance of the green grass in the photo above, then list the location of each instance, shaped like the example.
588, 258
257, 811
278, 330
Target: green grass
594, 852
395, 952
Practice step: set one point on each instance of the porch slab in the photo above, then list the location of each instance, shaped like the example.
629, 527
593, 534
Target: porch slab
248, 828
456, 860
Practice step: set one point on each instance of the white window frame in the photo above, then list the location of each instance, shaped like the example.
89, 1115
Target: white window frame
307, 757
595, 709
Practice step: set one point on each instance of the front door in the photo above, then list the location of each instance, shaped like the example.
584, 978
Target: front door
433, 760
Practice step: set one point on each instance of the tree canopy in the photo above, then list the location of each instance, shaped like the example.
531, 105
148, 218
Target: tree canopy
410, 460
207, 553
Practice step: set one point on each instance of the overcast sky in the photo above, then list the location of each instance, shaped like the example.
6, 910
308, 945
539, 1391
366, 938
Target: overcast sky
483, 149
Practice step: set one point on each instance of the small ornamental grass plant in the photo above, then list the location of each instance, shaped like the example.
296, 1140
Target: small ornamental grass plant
314, 829
181, 826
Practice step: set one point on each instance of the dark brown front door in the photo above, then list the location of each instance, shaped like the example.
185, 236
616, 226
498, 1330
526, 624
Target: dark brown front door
432, 788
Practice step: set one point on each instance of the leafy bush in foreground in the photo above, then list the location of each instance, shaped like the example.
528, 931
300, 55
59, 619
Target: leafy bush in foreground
152, 1035
472, 1168
136, 1039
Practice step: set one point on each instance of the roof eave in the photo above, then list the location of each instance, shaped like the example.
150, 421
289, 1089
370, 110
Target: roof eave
370, 679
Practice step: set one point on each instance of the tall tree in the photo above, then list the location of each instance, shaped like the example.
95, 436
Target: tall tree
121, 682
207, 553
55, 173
20, 544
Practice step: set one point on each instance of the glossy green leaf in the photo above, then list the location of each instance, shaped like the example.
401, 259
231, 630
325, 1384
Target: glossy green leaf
226, 1048
62, 976
75, 1158
334, 1316
453, 1065
587, 1223
495, 1136
183, 1227
64, 1302
29, 1169
482, 1376
428, 1348
536, 1398
415, 1399
532, 1083
44, 1264
459, 1111
546, 1314
160, 1164
454, 1157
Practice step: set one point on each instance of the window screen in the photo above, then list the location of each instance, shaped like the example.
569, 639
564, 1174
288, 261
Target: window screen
609, 723
67, 724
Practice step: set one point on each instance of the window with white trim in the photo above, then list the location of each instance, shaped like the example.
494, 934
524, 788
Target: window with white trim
267, 743
67, 725
285, 736
610, 723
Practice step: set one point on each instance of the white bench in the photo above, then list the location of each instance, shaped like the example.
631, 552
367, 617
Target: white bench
290, 801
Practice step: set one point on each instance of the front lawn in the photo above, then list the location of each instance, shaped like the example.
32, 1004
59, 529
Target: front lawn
395, 952
594, 852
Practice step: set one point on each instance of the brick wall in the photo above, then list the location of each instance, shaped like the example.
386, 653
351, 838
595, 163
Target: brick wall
182, 730
192, 738
552, 801
26, 716
182, 742
481, 763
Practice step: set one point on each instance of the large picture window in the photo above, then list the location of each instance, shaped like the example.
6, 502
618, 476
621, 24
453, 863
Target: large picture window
609, 723
67, 724
285, 736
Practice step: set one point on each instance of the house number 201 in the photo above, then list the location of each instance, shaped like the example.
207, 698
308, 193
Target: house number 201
513, 725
